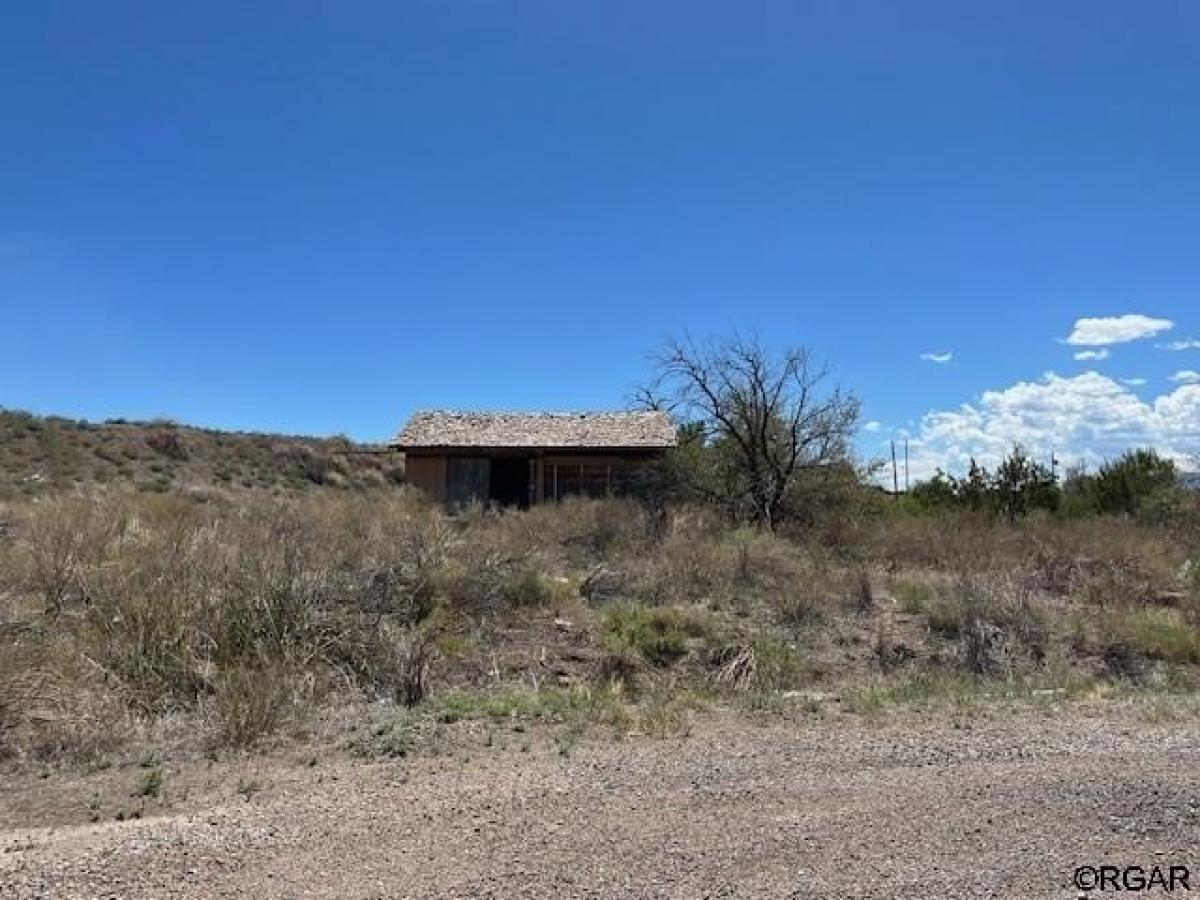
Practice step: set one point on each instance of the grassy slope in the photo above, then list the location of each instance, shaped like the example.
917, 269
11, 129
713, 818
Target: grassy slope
43, 453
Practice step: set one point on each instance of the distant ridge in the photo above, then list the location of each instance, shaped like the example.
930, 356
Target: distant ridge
46, 453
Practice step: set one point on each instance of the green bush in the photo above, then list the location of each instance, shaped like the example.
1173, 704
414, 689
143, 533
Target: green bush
1018, 486
1163, 634
528, 587
659, 634
766, 664
913, 597
1138, 482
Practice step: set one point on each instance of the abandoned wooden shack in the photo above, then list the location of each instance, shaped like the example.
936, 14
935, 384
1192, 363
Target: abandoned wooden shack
517, 459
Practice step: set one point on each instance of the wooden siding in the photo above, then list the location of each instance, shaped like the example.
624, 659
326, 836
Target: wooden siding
427, 473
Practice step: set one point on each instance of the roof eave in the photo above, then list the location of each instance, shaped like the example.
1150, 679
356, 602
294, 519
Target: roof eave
594, 448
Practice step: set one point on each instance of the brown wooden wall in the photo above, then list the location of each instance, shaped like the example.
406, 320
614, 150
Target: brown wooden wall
428, 473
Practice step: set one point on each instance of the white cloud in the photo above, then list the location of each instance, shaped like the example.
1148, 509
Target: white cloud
1092, 354
872, 427
1186, 376
943, 357
1189, 344
1135, 382
1116, 329
1086, 418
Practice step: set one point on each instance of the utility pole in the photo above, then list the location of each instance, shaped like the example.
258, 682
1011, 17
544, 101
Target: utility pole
895, 477
906, 464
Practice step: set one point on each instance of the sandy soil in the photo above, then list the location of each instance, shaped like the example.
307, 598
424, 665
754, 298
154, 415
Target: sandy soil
1003, 804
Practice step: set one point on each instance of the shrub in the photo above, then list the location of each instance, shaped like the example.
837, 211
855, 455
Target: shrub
1022, 484
587, 531
1125, 639
1115, 582
1163, 634
414, 656
1136, 482
995, 619
65, 538
766, 663
1018, 486
932, 494
801, 585
168, 443
914, 597
689, 565
946, 613
248, 787
528, 587
151, 783
660, 635
393, 739
253, 703
665, 716
54, 704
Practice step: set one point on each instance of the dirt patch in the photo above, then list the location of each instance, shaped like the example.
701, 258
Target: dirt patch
1006, 802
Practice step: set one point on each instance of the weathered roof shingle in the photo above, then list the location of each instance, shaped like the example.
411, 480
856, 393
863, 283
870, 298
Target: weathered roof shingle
610, 430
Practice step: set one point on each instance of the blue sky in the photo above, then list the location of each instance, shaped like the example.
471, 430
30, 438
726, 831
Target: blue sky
317, 217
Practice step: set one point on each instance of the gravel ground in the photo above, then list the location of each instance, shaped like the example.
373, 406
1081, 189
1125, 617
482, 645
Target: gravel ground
1004, 804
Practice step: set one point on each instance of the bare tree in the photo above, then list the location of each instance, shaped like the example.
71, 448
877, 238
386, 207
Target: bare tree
770, 414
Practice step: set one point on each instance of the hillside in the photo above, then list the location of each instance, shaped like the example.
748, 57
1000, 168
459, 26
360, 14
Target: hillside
43, 453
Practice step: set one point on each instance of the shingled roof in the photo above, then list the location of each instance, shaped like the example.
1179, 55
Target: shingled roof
608, 430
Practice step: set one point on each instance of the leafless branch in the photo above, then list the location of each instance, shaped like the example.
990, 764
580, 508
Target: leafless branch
769, 411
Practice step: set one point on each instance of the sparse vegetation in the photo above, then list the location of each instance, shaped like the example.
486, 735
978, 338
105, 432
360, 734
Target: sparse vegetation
151, 783
250, 614
42, 455
665, 715
248, 787
658, 634
392, 739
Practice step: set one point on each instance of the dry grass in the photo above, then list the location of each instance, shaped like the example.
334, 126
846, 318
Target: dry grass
41, 455
250, 612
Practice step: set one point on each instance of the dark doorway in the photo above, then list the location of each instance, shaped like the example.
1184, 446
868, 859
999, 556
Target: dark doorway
510, 481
